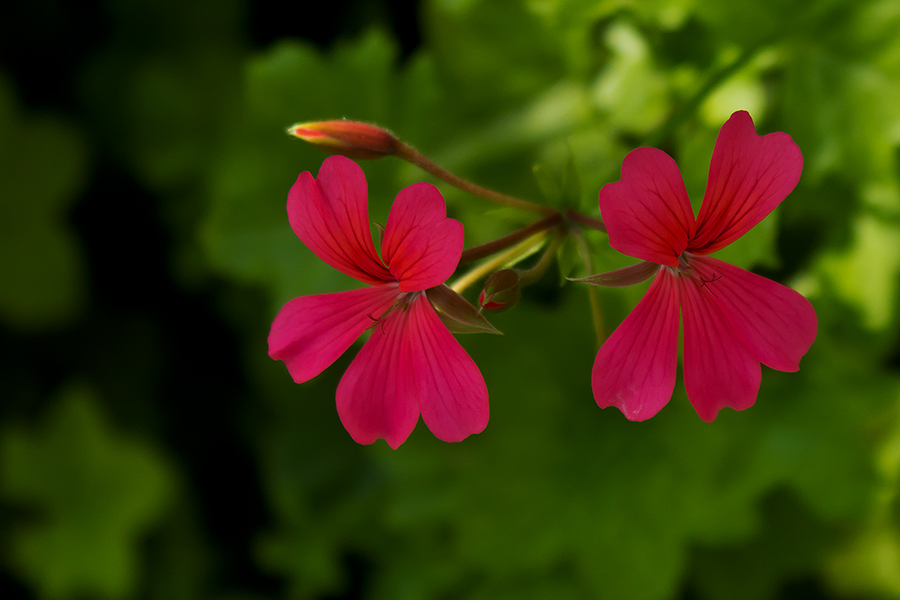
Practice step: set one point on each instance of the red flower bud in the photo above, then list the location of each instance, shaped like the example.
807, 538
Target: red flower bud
350, 138
501, 291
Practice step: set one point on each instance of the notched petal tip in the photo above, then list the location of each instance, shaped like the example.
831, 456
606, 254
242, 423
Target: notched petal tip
647, 212
376, 398
719, 370
776, 324
422, 246
330, 215
749, 175
452, 394
635, 368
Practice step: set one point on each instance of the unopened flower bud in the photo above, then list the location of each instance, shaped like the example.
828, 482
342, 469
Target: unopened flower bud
501, 291
350, 138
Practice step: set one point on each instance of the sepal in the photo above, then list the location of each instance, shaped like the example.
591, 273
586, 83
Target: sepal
625, 276
456, 313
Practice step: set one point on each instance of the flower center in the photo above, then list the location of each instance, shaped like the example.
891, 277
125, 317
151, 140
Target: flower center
403, 302
685, 268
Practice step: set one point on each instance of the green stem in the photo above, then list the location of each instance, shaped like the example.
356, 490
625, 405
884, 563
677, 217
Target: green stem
593, 294
586, 220
479, 252
416, 158
513, 255
529, 276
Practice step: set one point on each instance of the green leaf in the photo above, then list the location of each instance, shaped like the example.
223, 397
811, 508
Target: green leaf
93, 491
43, 160
866, 274
246, 234
548, 183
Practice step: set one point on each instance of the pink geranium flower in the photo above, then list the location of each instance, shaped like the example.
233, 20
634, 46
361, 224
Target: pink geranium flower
733, 320
411, 364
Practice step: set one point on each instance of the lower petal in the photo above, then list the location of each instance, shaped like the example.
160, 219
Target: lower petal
635, 369
776, 323
311, 332
452, 394
719, 370
376, 398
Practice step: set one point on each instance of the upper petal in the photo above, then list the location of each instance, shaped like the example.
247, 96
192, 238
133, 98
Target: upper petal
453, 397
331, 216
749, 176
421, 245
776, 324
647, 212
377, 396
310, 332
635, 368
719, 370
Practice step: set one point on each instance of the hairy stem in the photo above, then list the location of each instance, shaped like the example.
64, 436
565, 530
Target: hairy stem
479, 252
416, 158
585, 220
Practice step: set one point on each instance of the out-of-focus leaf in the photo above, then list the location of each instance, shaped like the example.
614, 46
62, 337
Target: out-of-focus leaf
42, 169
843, 112
93, 492
631, 89
867, 273
790, 545
571, 184
246, 234
548, 183
175, 68
490, 67
867, 563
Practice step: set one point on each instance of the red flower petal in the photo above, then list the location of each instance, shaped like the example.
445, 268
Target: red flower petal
421, 245
311, 332
719, 370
452, 395
331, 216
776, 323
647, 212
635, 369
377, 396
749, 176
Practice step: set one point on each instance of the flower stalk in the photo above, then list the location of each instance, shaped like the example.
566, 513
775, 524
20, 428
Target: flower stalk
479, 252
513, 255
413, 156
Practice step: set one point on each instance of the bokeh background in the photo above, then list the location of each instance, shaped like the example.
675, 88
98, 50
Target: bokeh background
149, 448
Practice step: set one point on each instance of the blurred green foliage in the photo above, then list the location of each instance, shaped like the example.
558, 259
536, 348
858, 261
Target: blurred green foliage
93, 494
43, 160
556, 499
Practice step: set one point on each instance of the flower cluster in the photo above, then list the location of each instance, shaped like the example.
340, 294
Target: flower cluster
733, 320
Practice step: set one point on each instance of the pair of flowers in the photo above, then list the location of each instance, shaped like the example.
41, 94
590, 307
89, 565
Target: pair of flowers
733, 320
